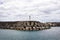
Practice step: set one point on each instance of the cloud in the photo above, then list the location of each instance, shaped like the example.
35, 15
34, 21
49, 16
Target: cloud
41, 10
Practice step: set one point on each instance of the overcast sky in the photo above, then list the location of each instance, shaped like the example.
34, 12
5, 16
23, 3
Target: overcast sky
39, 10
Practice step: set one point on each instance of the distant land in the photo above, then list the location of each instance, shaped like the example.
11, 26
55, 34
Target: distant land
28, 25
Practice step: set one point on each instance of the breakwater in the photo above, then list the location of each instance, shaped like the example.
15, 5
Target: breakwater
24, 25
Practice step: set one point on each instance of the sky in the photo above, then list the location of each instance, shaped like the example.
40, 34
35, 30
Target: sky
39, 10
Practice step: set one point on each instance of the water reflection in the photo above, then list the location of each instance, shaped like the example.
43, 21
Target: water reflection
49, 34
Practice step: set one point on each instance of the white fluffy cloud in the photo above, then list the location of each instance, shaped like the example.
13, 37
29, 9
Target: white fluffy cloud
40, 10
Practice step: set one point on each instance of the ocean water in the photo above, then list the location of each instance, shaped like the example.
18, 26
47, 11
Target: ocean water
49, 34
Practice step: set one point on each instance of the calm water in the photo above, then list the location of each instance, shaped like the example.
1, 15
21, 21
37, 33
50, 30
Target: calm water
50, 34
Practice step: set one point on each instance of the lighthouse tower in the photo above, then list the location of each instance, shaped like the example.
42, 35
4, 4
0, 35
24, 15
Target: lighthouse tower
29, 18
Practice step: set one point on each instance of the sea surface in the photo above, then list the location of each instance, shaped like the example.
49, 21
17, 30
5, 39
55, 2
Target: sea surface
49, 34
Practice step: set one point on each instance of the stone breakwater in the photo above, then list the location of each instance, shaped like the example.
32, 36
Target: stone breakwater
24, 25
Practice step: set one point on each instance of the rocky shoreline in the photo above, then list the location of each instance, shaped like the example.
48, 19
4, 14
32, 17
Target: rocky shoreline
27, 25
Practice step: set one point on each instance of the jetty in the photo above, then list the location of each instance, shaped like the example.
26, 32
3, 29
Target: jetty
27, 25
24, 25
